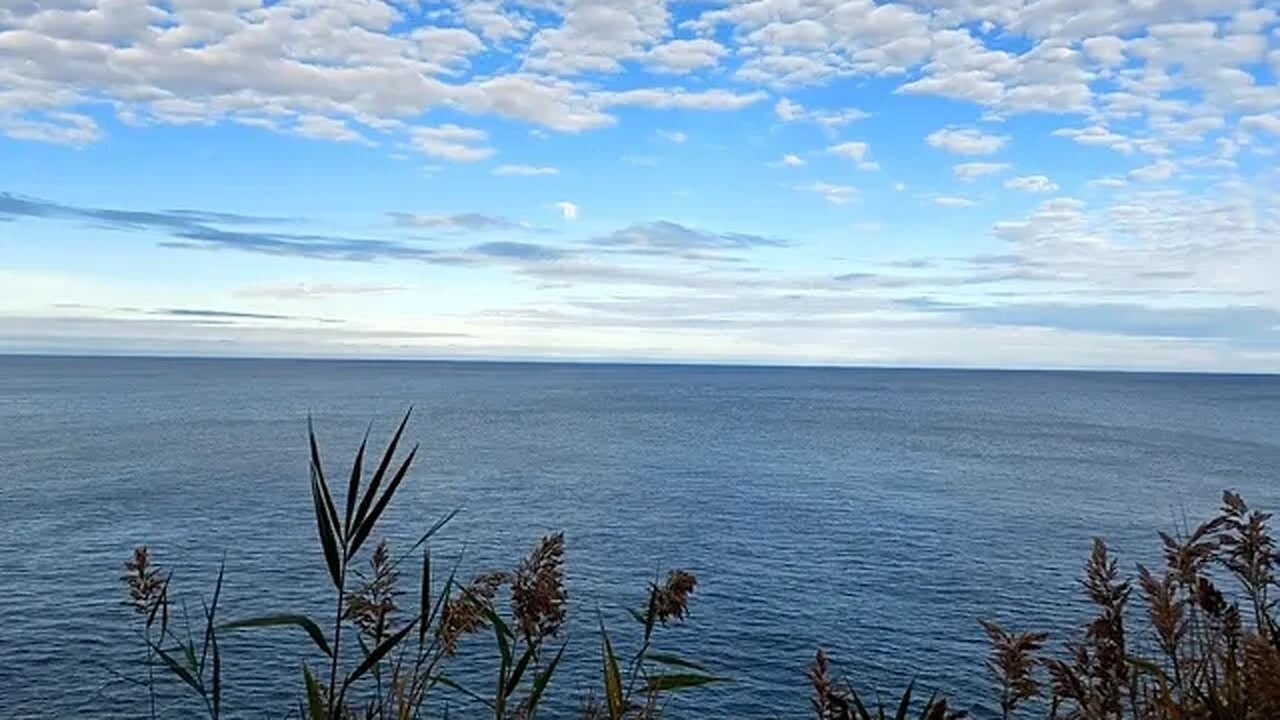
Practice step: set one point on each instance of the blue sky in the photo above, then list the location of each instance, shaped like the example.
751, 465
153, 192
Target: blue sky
1016, 183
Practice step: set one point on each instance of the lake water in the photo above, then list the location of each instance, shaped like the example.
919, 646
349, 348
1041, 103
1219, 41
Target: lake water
876, 513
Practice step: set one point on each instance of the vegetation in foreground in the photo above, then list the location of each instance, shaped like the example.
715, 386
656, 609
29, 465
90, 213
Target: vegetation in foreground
1190, 648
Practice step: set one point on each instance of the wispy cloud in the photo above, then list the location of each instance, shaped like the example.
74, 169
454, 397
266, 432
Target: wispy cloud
312, 291
525, 170
470, 222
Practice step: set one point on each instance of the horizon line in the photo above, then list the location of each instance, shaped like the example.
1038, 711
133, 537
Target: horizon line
711, 364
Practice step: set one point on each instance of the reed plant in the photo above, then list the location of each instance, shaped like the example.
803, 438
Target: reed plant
1199, 640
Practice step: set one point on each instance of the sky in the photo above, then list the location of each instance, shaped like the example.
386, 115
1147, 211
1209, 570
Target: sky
968, 183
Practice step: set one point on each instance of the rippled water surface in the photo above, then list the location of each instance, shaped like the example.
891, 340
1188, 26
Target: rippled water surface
877, 513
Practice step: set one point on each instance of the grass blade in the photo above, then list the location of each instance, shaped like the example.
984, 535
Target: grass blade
675, 661
365, 527
540, 682
217, 677
424, 597
379, 652
353, 485
376, 481
612, 676
906, 702
177, 669
315, 701
447, 682
209, 613
431, 531
680, 681
326, 530
324, 484
517, 673
301, 621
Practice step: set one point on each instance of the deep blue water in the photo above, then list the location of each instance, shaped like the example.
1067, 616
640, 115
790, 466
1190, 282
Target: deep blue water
877, 513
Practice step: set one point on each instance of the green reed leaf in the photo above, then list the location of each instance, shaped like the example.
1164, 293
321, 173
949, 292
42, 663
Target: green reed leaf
327, 533
177, 669
353, 485
282, 620
675, 661
315, 700
679, 681
517, 673
424, 597
217, 676
450, 683
380, 652
324, 484
366, 526
905, 705
375, 482
612, 676
209, 612
540, 682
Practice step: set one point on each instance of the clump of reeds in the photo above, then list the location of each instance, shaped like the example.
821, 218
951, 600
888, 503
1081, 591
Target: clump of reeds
384, 656
1212, 660
1215, 648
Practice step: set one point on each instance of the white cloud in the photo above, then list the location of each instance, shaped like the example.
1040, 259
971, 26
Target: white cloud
1262, 123
568, 210
966, 141
1097, 135
684, 56
789, 160
1156, 171
594, 36
952, 201
858, 152
673, 136
61, 128
452, 142
831, 192
1109, 182
324, 128
525, 170
974, 170
788, 110
679, 99
1105, 49
829, 120
1031, 183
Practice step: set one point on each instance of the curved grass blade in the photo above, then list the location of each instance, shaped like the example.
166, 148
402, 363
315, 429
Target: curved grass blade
353, 485
424, 597
315, 701
675, 661
217, 677
379, 652
680, 681
612, 676
301, 621
431, 531
176, 668
857, 703
163, 601
324, 484
540, 682
209, 612
447, 682
326, 530
376, 481
517, 673
365, 527
905, 705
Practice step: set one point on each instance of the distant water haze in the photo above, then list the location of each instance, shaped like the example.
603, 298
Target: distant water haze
876, 513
